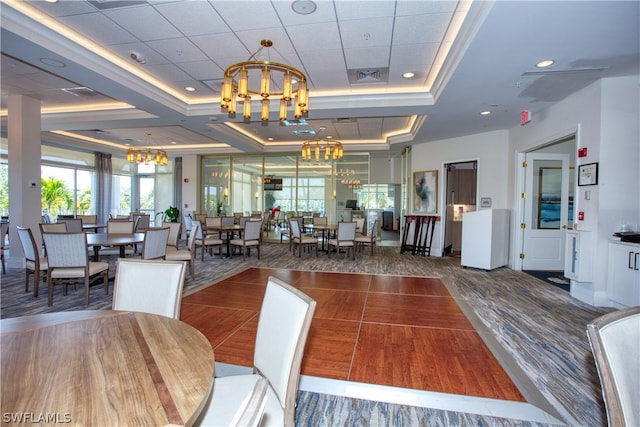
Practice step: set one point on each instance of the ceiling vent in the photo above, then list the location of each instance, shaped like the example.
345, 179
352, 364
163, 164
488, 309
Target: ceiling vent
345, 120
115, 4
565, 71
80, 91
368, 76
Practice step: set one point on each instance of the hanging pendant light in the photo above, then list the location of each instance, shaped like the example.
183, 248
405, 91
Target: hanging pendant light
270, 73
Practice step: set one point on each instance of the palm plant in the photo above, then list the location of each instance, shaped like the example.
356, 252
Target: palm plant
56, 196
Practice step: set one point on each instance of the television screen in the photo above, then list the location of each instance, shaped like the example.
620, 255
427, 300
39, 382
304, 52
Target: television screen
351, 204
272, 184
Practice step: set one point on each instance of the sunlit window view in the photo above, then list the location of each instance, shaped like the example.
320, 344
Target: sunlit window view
66, 191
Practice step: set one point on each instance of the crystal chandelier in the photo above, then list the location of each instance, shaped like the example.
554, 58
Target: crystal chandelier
326, 148
266, 72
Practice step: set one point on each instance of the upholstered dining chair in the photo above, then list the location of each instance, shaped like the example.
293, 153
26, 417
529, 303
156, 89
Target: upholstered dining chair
301, 240
345, 238
141, 222
283, 326
68, 262
74, 225
359, 226
53, 227
115, 226
207, 241
175, 229
4, 231
615, 344
149, 286
188, 254
88, 219
34, 263
251, 238
371, 238
250, 412
187, 224
287, 231
154, 245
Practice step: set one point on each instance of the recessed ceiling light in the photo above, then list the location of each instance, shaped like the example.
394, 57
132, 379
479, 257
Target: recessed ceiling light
485, 113
545, 63
173, 142
408, 75
270, 138
190, 88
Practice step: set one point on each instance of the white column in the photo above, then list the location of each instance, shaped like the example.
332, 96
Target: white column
24, 124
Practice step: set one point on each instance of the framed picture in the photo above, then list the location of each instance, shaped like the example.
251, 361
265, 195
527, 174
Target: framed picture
588, 174
485, 202
425, 192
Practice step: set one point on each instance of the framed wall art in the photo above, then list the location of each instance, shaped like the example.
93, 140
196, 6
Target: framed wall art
425, 192
588, 174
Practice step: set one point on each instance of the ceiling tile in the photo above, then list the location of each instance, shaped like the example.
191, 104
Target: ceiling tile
177, 50
144, 22
361, 10
366, 33
98, 28
373, 57
430, 28
253, 15
193, 18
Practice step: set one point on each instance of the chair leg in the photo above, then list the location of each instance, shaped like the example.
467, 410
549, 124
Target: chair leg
105, 278
50, 286
26, 280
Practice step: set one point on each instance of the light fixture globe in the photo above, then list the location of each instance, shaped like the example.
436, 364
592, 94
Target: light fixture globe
236, 85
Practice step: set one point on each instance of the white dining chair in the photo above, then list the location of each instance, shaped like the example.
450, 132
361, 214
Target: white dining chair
74, 225
251, 410
345, 238
615, 344
149, 286
4, 232
175, 229
283, 326
210, 240
69, 263
155, 241
189, 254
251, 238
301, 240
116, 226
35, 264
371, 238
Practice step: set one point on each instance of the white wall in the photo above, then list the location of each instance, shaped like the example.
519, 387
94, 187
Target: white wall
605, 117
190, 172
489, 149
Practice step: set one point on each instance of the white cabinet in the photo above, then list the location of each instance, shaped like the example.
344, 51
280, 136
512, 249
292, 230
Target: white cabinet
578, 263
485, 238
623, 281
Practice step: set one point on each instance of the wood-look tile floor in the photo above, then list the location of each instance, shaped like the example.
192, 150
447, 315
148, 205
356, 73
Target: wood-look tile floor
389, 330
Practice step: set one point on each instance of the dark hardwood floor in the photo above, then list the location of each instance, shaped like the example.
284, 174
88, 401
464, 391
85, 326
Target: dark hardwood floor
389, 330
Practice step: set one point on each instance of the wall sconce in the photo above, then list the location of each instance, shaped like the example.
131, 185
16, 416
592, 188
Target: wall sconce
334, 194
225, 192
257, 195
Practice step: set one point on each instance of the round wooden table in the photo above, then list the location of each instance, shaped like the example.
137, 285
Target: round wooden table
104, 368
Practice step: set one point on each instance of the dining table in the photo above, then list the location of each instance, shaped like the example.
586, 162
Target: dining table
229, 229
93, 227
97, 240
103, 368
325, 229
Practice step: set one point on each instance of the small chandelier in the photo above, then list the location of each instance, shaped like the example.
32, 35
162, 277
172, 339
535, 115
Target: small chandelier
230, 90
159, 157
317, 149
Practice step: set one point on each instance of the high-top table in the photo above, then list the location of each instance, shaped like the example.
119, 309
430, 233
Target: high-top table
104, 368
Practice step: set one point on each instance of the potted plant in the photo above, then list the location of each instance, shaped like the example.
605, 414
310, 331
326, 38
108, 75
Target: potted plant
172, 214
